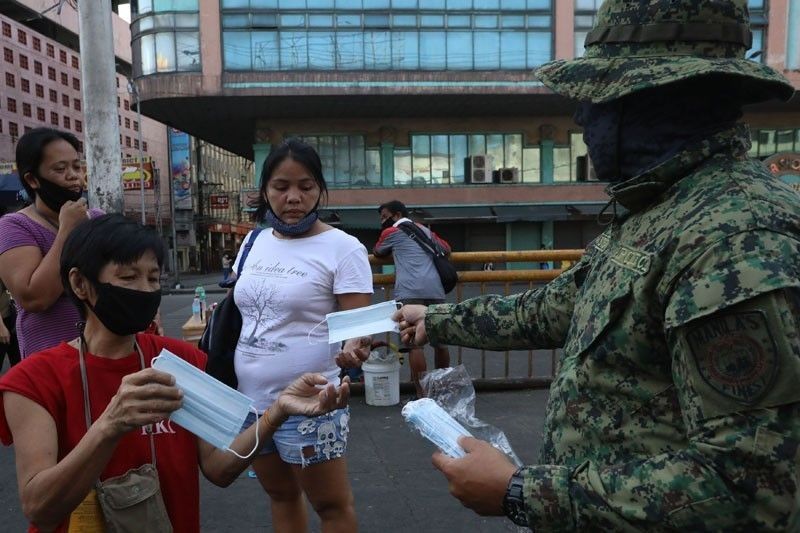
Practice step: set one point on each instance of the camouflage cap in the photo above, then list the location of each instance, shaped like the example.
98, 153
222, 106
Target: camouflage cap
637, 44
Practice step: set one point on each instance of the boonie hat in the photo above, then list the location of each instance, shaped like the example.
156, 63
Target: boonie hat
636, 45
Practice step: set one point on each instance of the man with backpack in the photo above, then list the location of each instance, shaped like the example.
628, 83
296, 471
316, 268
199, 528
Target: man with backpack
417, 279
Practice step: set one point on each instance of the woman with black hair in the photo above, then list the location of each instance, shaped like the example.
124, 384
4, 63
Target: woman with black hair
299, 270
104, 379
31, 239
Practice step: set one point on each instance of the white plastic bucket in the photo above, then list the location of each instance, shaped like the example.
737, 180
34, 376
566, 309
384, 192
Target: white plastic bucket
382, 382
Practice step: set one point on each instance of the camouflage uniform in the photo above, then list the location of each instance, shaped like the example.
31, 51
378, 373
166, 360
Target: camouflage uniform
676, 403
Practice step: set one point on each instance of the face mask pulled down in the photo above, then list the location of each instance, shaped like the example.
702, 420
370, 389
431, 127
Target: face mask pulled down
54, 196
211, 410
361, 322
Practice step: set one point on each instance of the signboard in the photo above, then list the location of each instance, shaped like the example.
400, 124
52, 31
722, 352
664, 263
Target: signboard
181, 168
131, 180
249, 199
218, 201
786, 167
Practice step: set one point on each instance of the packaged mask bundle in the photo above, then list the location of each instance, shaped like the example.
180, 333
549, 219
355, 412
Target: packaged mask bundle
211, 410
433, 422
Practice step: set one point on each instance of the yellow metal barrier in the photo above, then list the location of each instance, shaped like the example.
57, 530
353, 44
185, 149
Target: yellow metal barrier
509, 281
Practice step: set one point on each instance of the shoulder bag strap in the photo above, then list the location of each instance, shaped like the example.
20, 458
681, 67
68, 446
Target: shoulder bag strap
419, 237
248, 245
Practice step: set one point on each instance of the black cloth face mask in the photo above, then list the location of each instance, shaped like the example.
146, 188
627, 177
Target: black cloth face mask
125, 311
388, 223
54, 196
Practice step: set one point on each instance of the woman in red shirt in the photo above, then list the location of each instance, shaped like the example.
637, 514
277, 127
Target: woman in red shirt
110, 267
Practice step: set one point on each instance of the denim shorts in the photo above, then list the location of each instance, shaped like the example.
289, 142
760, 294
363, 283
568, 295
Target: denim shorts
325, 435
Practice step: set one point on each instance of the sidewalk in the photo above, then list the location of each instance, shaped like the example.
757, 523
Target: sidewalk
190, 281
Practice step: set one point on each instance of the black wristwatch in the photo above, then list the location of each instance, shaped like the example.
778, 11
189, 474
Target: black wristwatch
514, 501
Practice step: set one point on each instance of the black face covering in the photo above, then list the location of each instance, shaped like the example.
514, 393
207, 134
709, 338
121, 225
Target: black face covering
54, 196
633, 134
125, 311
388, 223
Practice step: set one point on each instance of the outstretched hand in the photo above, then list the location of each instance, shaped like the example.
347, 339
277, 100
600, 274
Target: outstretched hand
411, 319
312, 395
354, 352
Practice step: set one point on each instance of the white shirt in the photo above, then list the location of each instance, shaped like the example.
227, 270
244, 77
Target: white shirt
286, 288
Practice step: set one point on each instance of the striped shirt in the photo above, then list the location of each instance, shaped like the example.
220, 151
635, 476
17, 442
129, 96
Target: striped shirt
42, 330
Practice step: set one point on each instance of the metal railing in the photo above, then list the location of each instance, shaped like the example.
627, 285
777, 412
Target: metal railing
520, 369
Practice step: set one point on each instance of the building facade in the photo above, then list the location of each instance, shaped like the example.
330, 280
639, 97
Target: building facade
40, 85
432, 102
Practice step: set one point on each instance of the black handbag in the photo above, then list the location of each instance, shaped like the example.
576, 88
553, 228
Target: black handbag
223, 327
447, 272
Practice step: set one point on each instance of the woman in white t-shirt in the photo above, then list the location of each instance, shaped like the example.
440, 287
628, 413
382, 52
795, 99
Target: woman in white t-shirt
299, 270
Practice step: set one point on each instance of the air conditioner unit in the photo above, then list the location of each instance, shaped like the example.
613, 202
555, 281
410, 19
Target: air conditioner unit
509, 175
478, 168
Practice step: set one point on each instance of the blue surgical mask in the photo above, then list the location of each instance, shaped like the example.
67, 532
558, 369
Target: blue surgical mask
211, 410
361, 322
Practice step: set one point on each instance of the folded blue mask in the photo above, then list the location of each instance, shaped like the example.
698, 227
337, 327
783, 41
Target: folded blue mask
211, 410
361, 322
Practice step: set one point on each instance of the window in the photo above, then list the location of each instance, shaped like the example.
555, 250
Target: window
8, 55
136, 143
128, 123
66, 122
117, 83
40, 114
37, 44
127, 142
51, 73
25, 85
22, 37
118, 102
51, 51
26, 109
144, 145
344, 159
40, 90
758, 25
10, 80
13, 130
62, 56
53, 95
53, 118
76, 103
126, 105
23, 61
64, 79
769, 142
135, 125
76, 84
37, 67
119, 119
11, 105
65, 100
6, 29
78, 126
75, 62
585, 12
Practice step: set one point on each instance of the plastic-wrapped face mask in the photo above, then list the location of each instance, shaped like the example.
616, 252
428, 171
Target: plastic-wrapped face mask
361, 322
211, 410
436, 425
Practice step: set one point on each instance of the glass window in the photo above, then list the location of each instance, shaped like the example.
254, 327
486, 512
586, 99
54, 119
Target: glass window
421, 151
405, 50
292, 4
376, 21
265, 21
236, 50
512, 4
187, 45
578, 148
459, 4
144, 6
325, 150
755, 4
433, 50
512, 50
350, 47
404, 20
321, 50
477, 144
487, 50
512, 21
148, 54
459, 43
539, 48
373, 167
784, 139
146, 23
431, 4
536, 21
404, 4
459, 21
561, 163
165, 52
756, 51
431, 21
440, 160
531, 164
348, 4
486, 21
341, 163
320, 4
458, 152
544, 4
402, 167
348, 21
294, 50
187, 21
513, 151
293, 21
235, 21
487, 4
320, 21
494, 149
377, 50
358, 168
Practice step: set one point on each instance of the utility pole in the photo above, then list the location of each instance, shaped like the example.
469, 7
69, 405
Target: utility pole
133, 90
175, 269
200, 206
99, 91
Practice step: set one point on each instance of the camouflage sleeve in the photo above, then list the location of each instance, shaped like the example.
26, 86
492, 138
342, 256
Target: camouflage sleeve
732, 322
533, 319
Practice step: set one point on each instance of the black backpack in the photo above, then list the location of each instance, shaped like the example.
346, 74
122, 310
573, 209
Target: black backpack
221, 334
447, 272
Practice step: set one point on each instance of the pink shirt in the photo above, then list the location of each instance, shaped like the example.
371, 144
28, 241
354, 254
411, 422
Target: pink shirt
39, 331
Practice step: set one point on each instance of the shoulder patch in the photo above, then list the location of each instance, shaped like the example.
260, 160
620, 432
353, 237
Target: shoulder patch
736, 354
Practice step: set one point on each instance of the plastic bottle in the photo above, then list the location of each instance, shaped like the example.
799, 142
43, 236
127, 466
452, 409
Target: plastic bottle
196, 310
200, 293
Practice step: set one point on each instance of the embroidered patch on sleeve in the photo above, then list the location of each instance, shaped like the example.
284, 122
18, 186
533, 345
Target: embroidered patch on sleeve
736, 354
